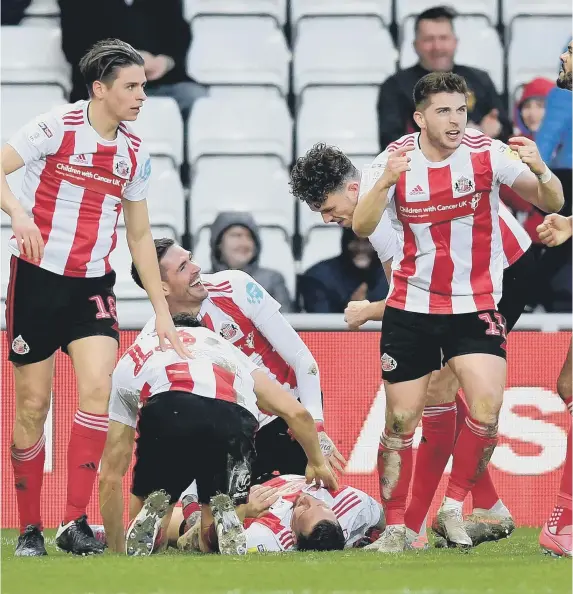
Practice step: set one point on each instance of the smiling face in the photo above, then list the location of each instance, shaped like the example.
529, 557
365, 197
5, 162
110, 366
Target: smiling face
443, 120
307, 512
339, 205
237, 247
182, 284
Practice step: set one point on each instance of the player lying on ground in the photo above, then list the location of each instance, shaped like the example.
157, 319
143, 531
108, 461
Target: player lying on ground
83, 165
197, 422
236, 307
441, 188
286, 514
556, 535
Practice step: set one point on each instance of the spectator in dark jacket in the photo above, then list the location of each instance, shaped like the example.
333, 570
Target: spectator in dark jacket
236, 245
157, 29
435, 43
356, 274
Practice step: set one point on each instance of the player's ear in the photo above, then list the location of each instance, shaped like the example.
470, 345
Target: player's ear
353, 187
98, 89
420, 119
166, 290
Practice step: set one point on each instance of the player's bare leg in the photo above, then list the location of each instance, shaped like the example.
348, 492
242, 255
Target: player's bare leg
93, 359
33, 384
557, 532
482, 377
404, 406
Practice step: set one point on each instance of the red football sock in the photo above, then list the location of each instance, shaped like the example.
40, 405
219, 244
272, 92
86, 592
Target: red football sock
28, 465
395, 472
562, 511
85, 449
484, 493
472, 452
191, 508
436, 447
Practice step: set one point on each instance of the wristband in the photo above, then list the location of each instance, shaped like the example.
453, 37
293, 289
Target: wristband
545, 176
319, 426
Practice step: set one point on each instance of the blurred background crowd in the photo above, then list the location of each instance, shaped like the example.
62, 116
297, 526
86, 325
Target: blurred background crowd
239, 88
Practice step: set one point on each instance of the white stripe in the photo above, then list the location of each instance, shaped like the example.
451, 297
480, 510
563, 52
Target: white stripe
418, 295
91, 416
497, 254
30, 455
95, 428
461, 254
96, 265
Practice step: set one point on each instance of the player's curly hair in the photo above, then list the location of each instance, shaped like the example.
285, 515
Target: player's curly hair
324, 169
325, 536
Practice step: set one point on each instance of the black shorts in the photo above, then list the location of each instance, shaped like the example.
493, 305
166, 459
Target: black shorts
277, 453
518, 287
47, 311
184, 437
415, 344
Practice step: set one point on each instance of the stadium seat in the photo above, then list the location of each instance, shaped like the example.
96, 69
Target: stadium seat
120, 261
249, 51
273, 8
254, 184
488, 8
35, 57
321, 243
513, 8
343, 116
534, 48
342, 51
472, 32
276, 254
22, 103
311, 8
232, 126
166, 197
160, 126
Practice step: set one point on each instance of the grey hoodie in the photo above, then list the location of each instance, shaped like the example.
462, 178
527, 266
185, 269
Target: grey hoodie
272, 280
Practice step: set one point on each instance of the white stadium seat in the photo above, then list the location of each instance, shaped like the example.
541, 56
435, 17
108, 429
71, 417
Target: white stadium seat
166, 197
120, 261
534, 48
513, 8
33, 55
472, 33
342, 116
273, 8
489, 8
310, 8
276, 254
5, 255
321, 243
246, 51
22, 103
257, 185
160, 126
342, 51
228, 126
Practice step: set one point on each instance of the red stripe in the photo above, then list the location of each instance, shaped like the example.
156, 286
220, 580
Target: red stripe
348, 508
73, 112
400, 143
206, 319
511, 247
224, 380
350, 495
87, 225
113, 239
223, 284
476, 145
49, 187
70, 116
74, 123
440, 181
480, 276
408, 263
10, 299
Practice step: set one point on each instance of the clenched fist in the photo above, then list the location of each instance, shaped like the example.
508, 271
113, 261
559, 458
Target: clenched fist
355, 314
555, 230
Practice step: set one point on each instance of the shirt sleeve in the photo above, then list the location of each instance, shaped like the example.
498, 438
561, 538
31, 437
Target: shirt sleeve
506, 164
123, 403
372, 173
384, 239
261, 539
39, 138
138, 187
253, 299
367, 516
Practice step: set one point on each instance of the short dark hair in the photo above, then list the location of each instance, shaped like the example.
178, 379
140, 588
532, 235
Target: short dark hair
186, 320
436, 13
438, 82
161, 247
325, 536
323, 170
103, 60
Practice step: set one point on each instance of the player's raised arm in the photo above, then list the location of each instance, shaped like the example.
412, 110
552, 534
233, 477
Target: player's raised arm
372, 204
538, 185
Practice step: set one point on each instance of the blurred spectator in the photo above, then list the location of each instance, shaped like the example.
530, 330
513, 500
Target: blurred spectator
435, 43
236, 245
13, 11
157, 29
356, 274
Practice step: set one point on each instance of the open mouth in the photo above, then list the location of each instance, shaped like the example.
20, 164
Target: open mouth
453, 134
196, 282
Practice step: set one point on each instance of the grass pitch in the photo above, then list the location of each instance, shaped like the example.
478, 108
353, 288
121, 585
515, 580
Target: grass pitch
513, 566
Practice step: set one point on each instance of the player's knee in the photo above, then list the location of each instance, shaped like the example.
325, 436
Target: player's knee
401, 421
486, 409
32, 408
94, 396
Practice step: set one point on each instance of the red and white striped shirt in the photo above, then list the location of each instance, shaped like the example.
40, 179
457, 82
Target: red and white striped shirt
73, 187
449, 256
216, 370
355, 511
